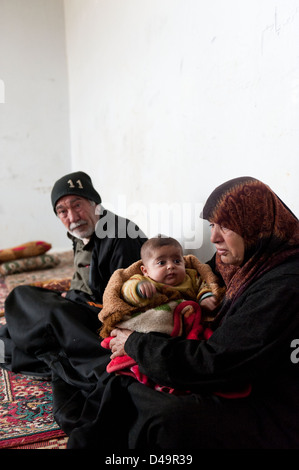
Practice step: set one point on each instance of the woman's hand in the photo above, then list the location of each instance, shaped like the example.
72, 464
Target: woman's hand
117, 344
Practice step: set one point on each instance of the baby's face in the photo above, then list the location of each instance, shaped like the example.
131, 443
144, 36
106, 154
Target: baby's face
166, 265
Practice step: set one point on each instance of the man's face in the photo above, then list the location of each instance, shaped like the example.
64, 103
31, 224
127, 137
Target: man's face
78, 216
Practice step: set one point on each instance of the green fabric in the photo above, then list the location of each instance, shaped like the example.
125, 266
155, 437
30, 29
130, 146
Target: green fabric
82, 259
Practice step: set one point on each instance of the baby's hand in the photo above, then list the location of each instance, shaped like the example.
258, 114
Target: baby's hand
146, 289
209, 303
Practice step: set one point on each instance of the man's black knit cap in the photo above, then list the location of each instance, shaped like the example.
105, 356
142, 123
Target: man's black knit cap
78, 183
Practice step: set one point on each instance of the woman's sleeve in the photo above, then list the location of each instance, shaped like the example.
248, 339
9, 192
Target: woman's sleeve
253, 339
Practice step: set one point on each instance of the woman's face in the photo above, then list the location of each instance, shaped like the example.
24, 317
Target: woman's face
229, 245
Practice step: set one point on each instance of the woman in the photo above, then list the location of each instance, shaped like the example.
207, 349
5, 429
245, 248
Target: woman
243, 382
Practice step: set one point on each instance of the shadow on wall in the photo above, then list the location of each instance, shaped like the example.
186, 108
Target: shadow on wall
206, 251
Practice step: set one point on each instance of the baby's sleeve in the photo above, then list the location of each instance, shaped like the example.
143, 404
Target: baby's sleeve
130, 291
204, 291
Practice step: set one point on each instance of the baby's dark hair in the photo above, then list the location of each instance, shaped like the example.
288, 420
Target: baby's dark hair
156, 242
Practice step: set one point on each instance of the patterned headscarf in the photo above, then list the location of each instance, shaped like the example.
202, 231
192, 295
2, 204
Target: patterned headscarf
269, 229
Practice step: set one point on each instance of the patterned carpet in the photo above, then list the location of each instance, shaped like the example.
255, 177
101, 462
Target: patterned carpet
26, 417
3, 295
25, 411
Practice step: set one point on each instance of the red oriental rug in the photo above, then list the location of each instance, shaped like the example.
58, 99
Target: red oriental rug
26, 404
25, 411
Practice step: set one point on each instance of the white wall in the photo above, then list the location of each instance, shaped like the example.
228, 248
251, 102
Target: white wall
34, 119
170, 98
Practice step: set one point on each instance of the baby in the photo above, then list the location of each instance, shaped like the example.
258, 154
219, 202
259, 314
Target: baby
163, 270
161, 294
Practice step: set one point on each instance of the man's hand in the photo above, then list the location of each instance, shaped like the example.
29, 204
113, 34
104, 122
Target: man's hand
118, 342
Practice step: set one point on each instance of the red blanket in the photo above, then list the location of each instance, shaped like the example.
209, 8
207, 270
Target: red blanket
186, 323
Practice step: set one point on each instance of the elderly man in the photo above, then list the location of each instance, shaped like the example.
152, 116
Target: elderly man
50, 333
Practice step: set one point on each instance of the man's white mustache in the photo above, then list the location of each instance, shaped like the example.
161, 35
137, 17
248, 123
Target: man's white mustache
75, 225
